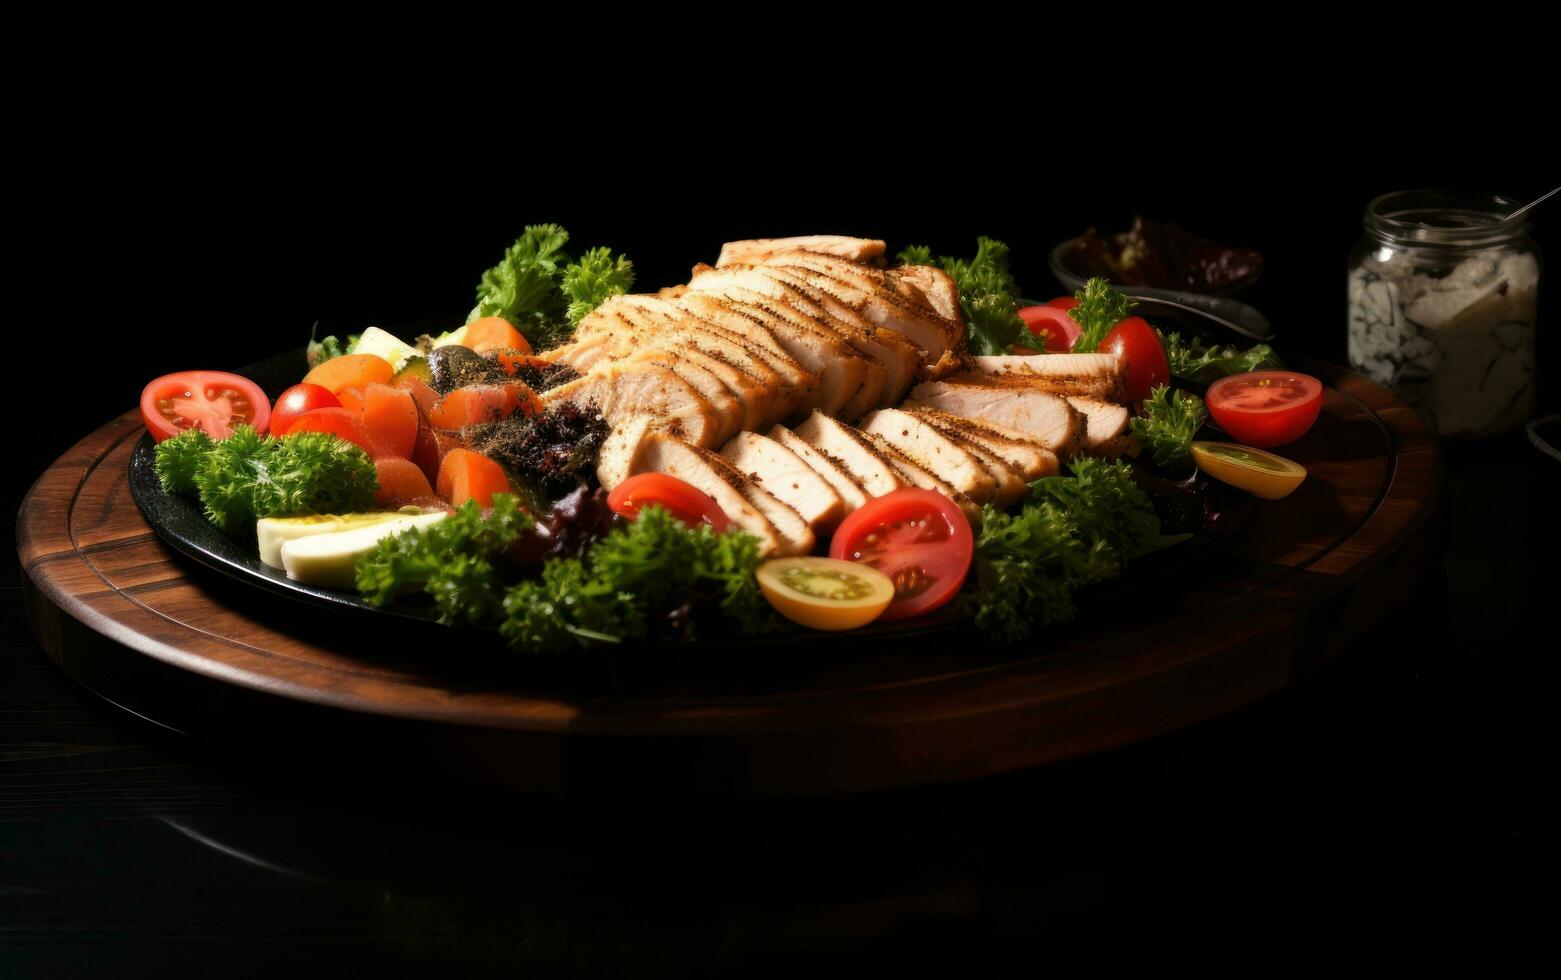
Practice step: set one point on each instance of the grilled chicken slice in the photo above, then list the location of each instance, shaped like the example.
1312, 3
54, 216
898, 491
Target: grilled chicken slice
932, 286
783, 473
1030, 458
643, 388
855, 453
933, 451
779, 529
615, 460
922, 478
840, 370
872, 293
793, 310
798, 384
1009, 482
683, 363
1040, 415
1104, 422
1100, 376
869, 250
837, 476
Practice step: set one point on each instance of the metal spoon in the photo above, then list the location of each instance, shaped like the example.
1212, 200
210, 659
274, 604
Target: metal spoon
1143, 301
1537, 200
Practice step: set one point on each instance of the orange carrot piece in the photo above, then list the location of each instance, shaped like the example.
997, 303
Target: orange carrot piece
390, 417
422, 392
351, 398
465, 475
349, 370
493, 333
401, 482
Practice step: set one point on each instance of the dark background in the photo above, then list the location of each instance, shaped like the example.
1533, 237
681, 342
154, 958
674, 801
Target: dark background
1391, 805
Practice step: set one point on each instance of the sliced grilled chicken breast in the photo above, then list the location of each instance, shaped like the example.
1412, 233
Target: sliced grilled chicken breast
932, 285
920, 477
725, 406
1088, 375
871, 293
784, 474
1029, 457
622, 391
933, 451
1104, 422
615, 460
854, 249
1042, 416
853, 451
851, 493
840, 370
749, 507
800, 384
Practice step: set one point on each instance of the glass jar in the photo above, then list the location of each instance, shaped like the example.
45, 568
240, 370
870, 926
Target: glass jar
1443, 295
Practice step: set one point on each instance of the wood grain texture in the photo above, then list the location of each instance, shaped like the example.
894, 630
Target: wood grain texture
124, 615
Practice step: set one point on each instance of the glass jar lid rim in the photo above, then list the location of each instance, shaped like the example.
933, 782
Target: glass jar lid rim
1482, 217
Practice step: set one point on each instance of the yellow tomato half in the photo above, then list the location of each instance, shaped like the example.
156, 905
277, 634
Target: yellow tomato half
825, 594
1260, 474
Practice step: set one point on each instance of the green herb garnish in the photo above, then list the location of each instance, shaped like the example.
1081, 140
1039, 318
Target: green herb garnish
1170, 420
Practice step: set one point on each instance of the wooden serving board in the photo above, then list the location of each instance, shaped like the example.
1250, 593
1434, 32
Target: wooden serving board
215, 657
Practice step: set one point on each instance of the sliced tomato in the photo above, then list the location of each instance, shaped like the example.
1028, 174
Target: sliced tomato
336, 421
295, 401
919, 538
1259, 473
213, 401
1265, 408
1063, 302
1140, 346
679, 498
825, 593
1052, 324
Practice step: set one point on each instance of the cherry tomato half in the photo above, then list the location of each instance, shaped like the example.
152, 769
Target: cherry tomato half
919, 538
1265, 408
1063, 302
1137, 342
295, 401
214, 401
682, 500
1053, 324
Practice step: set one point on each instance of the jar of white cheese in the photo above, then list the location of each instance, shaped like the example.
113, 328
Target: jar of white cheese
1443, 294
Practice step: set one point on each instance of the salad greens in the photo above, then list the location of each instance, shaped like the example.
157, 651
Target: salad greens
1101, 307
1193, 360
1171, 418
542, 291
987, 294
1073, 529
249, 476
647, 580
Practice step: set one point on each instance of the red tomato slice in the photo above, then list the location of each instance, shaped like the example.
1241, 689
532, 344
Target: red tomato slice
1265, 408
214, 401
682, 500
919, 538
295, 401
336, 421
1064, 302
1136, 340
1053, 324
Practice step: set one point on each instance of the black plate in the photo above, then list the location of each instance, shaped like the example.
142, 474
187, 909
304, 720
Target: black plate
180, 522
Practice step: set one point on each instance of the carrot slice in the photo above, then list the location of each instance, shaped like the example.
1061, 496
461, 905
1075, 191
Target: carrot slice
401, 482
494, 333
336, 421
349, 370
390, 417
465, 475
477, 404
